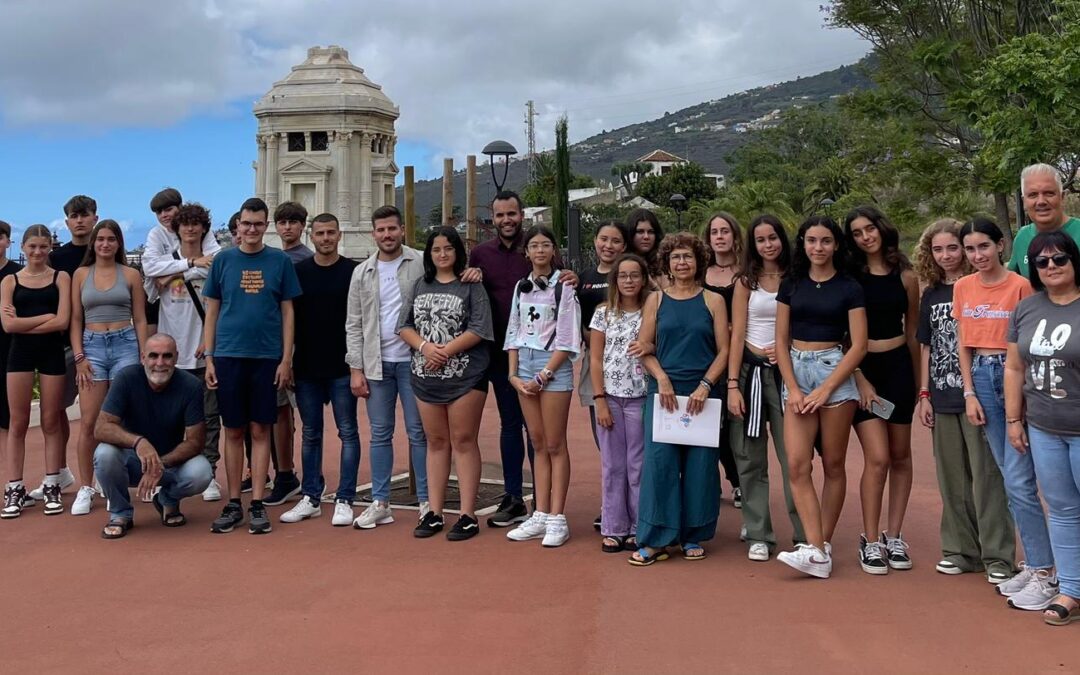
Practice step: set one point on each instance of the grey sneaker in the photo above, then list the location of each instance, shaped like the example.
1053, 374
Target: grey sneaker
258, 522
1013, 586
1039, 592
378, 513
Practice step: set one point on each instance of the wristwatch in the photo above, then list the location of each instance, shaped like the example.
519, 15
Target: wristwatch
547, 373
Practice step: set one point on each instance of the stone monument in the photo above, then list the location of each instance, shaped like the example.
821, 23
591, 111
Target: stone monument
326, 139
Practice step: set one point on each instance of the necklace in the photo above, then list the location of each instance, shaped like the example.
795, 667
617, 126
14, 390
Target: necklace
36, 274
953, 280
818, 283
772, 274
723, 267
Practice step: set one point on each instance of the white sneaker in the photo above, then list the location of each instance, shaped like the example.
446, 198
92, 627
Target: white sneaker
67, 479
83, 501
1017, 583
759, 551
533, 528
343, 514
828, 549
1039, 592
742, 533
304, 509
556, 533
212, 493
378, 513
425, 508
809, 560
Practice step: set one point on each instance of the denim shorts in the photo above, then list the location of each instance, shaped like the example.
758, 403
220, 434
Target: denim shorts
110, 352
813, 367
532, 361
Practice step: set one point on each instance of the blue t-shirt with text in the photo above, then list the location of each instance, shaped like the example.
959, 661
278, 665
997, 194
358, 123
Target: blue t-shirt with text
251, 288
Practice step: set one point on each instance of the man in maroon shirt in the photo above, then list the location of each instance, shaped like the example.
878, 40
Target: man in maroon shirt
500, 264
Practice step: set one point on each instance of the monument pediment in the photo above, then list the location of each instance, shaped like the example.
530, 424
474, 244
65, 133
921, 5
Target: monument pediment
305, 167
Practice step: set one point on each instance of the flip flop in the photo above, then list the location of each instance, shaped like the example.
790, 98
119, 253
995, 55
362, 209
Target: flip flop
174, 519
123, 523
693, 547
1064, 616
646, 559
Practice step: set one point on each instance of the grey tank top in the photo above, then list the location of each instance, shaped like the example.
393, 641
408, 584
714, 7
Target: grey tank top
108, 306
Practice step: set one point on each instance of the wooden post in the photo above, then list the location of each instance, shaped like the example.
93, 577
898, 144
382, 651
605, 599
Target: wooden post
447, 190
470, 201
410, 206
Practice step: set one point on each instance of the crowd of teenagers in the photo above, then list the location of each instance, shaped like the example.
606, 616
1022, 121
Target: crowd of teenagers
799, 340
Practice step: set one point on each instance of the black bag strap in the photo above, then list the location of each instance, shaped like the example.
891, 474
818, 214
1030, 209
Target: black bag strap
193, 293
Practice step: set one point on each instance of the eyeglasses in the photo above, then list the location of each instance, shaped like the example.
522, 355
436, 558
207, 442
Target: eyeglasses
1043, 261
630, 276
248, 225
540, 246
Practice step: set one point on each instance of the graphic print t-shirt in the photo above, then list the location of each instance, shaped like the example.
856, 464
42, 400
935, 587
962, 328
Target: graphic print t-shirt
937, 330
441, 312
982, 310
180, 318
1048, 339
251, 288
592, 290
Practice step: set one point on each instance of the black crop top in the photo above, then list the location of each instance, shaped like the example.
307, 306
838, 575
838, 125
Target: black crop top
725, 292
819, 312
886, 305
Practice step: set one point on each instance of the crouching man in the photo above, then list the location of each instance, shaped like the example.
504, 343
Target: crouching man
151, 431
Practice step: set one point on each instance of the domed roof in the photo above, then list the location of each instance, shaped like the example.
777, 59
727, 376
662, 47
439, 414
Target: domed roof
326, 82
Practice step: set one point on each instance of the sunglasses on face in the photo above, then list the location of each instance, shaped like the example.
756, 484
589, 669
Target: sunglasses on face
1059, 259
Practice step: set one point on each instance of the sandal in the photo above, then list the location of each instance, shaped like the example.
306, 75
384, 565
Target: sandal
693, 547
124, 524
174, 519
644, 558
631, 543
1063, 615
617, 545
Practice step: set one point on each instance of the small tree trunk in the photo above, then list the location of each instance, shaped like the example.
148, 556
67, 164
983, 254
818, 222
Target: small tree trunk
1001, 212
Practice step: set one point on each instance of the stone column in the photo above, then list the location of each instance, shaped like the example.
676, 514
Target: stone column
365, 179
271, 173
260, 167
341, 165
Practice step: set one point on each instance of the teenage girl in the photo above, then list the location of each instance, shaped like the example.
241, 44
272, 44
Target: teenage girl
108, 324
817, 306
542, 339
754, 385
35, 305
891, 291
983, 303
645, 235
618, 381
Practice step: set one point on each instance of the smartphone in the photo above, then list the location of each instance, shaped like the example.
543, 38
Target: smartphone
882, 408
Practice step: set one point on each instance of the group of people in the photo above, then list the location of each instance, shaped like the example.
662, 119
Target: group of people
798, 341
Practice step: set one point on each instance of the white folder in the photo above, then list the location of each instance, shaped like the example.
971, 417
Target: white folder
681, 428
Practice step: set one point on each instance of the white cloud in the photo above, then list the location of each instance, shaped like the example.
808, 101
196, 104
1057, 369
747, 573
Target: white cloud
460, 72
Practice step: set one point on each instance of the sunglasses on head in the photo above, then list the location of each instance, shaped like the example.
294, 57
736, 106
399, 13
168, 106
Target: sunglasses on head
1043, 261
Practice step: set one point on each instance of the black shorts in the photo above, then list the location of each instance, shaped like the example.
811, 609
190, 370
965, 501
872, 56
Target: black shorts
246, 391
893, 378
41, 353
153, 309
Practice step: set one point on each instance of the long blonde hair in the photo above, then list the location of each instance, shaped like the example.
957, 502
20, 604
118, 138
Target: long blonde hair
929, 272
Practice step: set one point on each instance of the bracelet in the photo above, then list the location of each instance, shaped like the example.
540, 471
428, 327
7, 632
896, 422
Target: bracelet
705, 383
135, 445
1014, 420
420, 349
597, 397
732, 387
857, 370
924, 394
733, 379
969, 394
538, 380
80, 357
548, 374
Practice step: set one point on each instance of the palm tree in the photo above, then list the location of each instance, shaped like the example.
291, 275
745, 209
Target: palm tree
745, 201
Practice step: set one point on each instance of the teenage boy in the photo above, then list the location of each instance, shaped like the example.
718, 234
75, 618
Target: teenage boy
248, 339
158, 262
290, 218
321, 372
379, 359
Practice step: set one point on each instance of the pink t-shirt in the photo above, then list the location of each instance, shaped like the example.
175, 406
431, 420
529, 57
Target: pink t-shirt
982, 311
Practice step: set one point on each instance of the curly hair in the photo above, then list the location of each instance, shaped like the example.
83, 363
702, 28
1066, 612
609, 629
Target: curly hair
736, 236
928, 271
192, 212
890, 241
690, 242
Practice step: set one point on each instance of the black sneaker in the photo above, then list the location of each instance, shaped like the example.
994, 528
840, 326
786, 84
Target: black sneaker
231, 516
430, 525
54, 504
511, 511
465, 528
258, 522
245, 485
872, 556
286, 486
736, 498
14, 501
896, 550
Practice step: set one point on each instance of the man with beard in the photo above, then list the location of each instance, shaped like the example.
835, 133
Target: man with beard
1044, 203
151, 431
500, 264
380, 360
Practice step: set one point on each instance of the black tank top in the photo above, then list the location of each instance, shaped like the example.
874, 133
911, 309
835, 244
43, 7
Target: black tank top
725, 292
36, 301
886, 304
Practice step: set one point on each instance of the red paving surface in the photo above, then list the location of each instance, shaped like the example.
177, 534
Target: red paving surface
311, 597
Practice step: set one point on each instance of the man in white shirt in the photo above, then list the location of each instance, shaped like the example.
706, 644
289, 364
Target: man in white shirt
379, 360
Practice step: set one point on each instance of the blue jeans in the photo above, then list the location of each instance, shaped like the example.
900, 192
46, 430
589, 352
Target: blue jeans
1018, 469
512, 435
311, 396
118, 469
1057, 463
381, 404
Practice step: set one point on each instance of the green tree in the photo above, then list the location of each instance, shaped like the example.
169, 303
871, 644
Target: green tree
541, 192
561, 205
434, 218
626, 169
687, 179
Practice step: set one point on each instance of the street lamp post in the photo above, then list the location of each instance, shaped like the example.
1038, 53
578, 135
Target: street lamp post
678, 202
499, 149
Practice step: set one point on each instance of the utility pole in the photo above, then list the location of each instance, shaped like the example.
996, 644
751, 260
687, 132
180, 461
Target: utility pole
530, 131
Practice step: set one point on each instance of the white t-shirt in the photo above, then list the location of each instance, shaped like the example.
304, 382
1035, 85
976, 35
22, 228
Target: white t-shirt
393, 348
179, 318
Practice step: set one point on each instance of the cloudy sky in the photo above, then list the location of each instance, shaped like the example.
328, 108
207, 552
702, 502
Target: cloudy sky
117, 98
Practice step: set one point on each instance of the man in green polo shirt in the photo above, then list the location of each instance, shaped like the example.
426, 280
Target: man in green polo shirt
1044, 203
